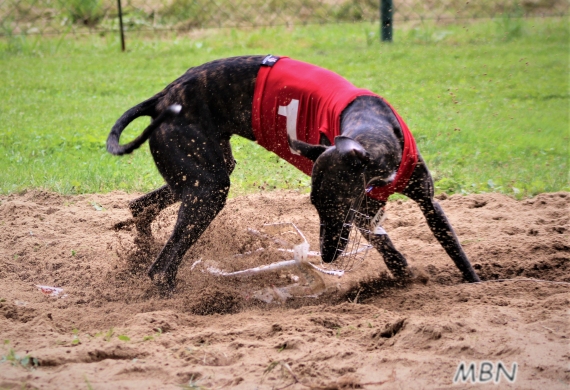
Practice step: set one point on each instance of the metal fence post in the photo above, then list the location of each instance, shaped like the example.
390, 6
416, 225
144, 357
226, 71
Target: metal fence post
121, 25
386, 11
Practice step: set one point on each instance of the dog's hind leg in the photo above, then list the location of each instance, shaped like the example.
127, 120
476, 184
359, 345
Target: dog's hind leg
147, 207
420, 189
192, 163
228, 155
161, 197
197, 210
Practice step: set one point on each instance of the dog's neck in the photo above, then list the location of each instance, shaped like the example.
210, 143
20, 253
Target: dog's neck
371, 122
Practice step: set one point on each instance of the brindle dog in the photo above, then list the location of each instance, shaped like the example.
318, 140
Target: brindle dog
193, 120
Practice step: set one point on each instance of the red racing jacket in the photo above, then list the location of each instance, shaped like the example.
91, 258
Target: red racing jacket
303, 100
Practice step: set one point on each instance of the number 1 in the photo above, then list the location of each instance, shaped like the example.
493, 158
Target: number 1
291, 112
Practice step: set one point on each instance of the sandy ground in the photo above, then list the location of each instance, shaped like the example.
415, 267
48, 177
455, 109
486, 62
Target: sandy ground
109, 329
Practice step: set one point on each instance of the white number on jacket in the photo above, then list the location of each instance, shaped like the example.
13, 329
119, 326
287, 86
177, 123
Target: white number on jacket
291, 111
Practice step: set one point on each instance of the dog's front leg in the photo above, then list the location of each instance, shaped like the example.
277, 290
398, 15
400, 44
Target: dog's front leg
394, 260
442, 230
380, 240
420, 189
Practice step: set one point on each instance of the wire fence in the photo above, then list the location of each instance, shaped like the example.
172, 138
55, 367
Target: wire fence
56, 17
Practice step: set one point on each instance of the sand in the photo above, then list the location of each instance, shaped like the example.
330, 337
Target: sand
109, 329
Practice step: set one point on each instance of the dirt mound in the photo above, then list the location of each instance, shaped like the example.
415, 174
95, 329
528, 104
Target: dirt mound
109, 327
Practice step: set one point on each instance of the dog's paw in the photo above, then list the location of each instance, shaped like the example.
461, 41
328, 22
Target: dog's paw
418, 275
164, 282
411, 275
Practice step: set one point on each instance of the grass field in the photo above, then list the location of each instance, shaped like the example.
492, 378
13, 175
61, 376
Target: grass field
488, 102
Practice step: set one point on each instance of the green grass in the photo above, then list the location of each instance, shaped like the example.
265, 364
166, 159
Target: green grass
488, 102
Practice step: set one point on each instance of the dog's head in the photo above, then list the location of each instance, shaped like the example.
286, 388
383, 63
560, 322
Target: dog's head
340, 174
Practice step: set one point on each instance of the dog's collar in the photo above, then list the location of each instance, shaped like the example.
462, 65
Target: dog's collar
269, 60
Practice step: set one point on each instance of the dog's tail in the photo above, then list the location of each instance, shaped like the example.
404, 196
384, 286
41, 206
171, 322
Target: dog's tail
145, 108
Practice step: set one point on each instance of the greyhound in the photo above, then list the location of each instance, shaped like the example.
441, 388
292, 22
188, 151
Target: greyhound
349, 140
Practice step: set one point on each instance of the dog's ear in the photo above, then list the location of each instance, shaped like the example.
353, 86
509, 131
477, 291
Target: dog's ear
350, 149
312, 152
